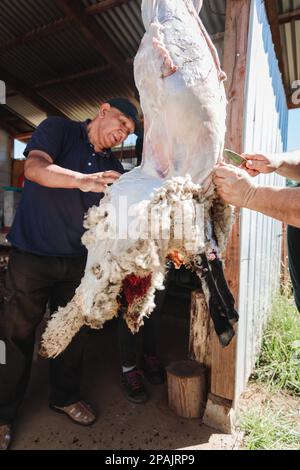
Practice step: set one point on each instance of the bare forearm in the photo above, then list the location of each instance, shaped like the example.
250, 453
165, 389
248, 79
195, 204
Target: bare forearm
280, 203
290, 166
51, 175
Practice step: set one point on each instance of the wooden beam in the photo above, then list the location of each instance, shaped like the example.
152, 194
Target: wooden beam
35, 34
15, 113
24, 136
292, 105
74, 10
72, 77
290, 16
104, 6
235, 57
272, 13
57, 25
22, 88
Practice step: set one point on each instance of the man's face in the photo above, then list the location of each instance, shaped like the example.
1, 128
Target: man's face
113, 126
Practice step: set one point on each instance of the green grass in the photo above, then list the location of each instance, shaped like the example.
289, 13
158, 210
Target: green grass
266, 426
279, 363
267, 429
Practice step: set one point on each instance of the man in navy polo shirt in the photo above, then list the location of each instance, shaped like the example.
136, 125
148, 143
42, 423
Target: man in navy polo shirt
68, 168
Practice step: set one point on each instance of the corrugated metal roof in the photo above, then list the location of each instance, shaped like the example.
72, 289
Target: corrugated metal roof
290, 41
21, 16
66, 53
123, 25
82, 99
12, 121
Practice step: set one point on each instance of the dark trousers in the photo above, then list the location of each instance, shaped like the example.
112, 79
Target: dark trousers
148, 333
31, 282
293, 239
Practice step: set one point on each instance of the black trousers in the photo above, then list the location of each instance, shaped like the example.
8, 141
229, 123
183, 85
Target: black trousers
148, 334
293, 239
31, 282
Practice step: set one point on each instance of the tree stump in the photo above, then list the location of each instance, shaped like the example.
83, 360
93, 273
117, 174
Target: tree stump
187, 388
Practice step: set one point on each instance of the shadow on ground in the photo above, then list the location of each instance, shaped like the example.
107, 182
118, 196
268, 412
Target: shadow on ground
121, 424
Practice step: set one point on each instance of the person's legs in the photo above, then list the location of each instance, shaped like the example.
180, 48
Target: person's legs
27, 288
65, 369
127, 345
131, 379
151, 326
293, 240
152, 368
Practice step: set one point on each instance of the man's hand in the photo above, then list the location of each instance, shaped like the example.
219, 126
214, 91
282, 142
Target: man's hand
97, 182
261, 163
233, 185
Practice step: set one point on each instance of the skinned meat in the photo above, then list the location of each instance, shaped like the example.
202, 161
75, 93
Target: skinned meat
167, 207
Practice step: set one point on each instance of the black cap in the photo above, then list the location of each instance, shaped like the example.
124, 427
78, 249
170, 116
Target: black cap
129, 110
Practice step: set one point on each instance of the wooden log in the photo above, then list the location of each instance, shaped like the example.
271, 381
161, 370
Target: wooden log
200, 329
187, 388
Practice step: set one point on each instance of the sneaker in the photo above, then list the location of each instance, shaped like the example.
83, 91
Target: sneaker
133, 387
154, 372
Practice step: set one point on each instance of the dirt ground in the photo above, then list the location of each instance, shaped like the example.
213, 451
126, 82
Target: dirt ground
121, 424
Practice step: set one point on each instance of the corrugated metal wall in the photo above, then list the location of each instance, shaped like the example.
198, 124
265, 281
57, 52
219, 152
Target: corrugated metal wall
265, 129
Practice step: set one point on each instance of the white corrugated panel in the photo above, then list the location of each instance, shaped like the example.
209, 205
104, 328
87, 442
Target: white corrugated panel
265, 129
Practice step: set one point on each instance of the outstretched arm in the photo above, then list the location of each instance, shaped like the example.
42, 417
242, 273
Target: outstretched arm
236, 187
39, 168
285, 164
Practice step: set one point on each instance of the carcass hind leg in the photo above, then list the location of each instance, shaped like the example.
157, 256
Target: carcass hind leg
215, 302
221, 283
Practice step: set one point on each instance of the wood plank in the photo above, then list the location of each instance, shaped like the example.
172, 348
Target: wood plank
105, 5
24, 136
272, 13
200, 330
290, 16
235, 57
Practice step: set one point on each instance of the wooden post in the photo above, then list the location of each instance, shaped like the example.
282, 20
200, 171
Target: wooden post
187, 388
200, 330
235, 58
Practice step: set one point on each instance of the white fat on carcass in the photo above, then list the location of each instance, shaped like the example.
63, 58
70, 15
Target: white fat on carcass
135, 228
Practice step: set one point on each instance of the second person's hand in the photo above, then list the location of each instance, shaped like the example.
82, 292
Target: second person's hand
233, 185
97, 182
261, 163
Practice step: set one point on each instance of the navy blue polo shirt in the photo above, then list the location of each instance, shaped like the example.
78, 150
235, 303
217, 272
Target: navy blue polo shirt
49, 221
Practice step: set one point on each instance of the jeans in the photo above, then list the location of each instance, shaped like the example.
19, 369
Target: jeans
32, 281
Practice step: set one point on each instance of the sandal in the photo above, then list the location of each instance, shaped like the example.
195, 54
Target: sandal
79, 412
5, 436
